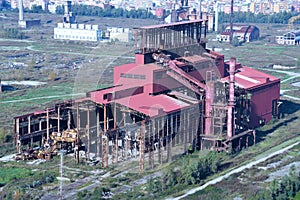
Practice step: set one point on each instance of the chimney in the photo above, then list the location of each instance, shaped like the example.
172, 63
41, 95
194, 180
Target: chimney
21, 11
216, 16
230, 111
67, 8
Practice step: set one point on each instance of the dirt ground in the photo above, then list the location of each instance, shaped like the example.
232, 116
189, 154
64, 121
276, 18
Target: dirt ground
59, 64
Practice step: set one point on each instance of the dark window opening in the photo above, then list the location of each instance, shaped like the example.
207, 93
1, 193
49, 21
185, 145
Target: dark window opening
133, 76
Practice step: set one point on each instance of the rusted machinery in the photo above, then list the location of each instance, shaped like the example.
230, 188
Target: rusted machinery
65, 140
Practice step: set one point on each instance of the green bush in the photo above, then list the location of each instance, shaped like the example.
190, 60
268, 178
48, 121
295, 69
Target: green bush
192, 171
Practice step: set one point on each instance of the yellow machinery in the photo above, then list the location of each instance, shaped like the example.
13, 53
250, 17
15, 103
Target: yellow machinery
65, 139
291, 22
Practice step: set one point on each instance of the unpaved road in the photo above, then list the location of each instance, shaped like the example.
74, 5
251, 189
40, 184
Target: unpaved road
234, 171
46, 97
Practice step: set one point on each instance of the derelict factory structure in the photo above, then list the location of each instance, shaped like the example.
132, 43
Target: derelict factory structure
176, 95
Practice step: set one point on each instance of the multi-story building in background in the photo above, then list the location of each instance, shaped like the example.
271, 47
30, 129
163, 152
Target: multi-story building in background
254, 6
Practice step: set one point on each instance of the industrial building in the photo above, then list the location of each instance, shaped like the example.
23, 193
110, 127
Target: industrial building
244, 33
175, 96
119, 34
289, 38
69, 29
82, 32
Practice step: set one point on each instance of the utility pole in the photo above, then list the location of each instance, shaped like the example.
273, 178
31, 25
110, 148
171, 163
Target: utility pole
61, 179
200, 9
231, 23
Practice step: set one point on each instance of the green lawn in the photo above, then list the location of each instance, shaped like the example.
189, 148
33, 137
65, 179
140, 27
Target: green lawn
14, 173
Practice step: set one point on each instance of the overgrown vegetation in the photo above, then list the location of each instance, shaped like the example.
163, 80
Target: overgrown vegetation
20, 182
12, 33
98, 193
187, 171
286, 188
191, 171
9, 174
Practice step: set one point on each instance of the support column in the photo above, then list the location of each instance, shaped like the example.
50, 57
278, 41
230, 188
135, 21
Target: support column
31, 142
126, 146
162, 140
185, 129
58, 119
117, 134
69, 119
142, 145
78, 127
40, 124
172, 132
254, 137
159, 142
29, 122
168, 141
150, 142
124, 118
177, 121
47, 122
104, 141
196, 131
17, 134
88, 133
98, 132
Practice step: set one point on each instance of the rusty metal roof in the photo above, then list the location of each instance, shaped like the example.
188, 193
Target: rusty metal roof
172, 24
250, 79
153, 105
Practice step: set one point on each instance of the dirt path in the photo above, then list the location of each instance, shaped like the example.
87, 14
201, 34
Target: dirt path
292, 74
32, 48
37, 98
234, 171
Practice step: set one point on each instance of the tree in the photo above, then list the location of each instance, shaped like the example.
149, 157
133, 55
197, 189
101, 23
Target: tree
37, 9
235, 42
52, 76
13, 33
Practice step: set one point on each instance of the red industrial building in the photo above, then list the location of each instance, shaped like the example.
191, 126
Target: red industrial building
176, 95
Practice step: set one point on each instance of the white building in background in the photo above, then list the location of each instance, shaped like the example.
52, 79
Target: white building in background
120, 34
290, 38
69, 29
82, 32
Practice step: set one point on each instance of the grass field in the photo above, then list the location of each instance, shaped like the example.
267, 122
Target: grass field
9, 174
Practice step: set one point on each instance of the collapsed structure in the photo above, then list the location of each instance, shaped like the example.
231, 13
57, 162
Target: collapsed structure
244, 33
176, 95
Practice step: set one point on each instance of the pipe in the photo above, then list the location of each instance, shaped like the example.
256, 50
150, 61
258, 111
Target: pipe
230, 114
